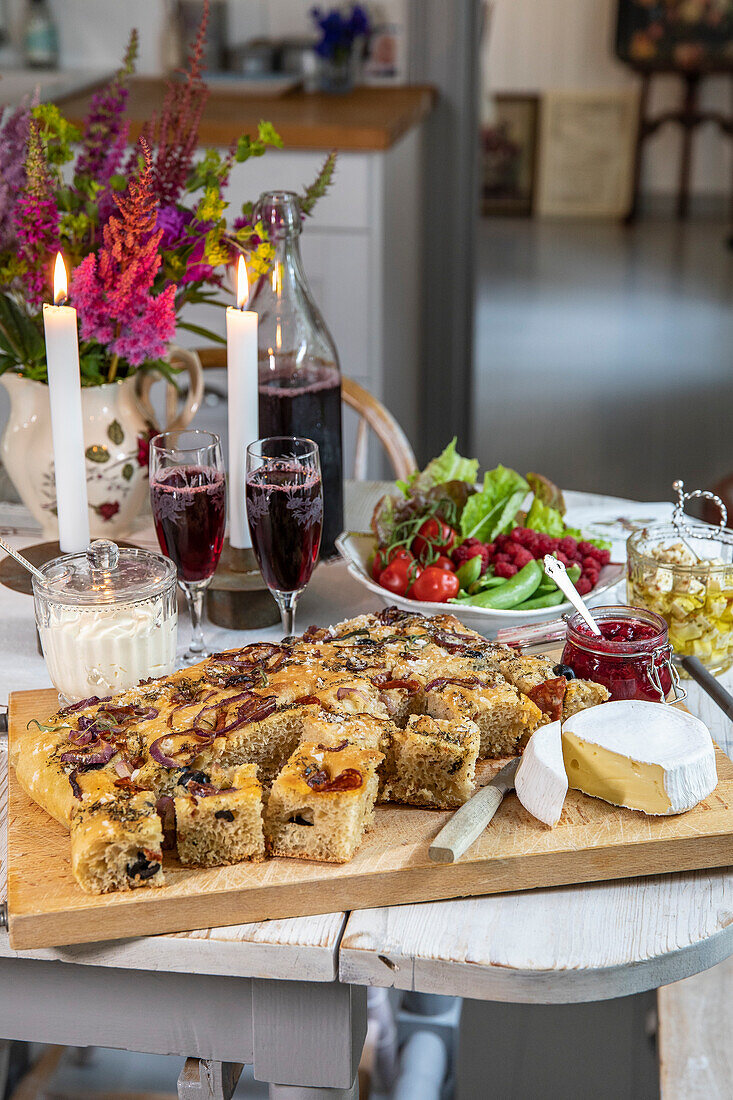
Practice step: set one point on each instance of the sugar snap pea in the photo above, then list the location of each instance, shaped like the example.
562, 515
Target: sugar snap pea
519, 588
546, 599
469, 572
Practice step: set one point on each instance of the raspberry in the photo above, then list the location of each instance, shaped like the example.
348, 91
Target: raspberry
522, 557
523, 535
562, 557
501, 542
583, 586
590, 565
505, 569
502, 559
588, 550
568, 546
544, 545
471, 548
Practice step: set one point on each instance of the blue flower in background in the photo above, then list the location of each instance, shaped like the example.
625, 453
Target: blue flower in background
339, 31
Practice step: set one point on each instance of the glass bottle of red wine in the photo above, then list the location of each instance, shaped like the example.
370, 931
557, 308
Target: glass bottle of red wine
299, 376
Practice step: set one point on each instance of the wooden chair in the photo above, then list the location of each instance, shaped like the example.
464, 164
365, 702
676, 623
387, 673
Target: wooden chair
371, 412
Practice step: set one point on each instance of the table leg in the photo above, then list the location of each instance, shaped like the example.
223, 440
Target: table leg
4, 1064
204, 1079
307, 1038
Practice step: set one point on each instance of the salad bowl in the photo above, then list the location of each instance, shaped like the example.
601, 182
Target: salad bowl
356, 549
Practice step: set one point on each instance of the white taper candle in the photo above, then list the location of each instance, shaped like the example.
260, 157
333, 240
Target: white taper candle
64, 392
242, 399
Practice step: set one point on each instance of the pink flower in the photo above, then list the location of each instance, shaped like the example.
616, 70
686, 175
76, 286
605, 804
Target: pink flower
113, 290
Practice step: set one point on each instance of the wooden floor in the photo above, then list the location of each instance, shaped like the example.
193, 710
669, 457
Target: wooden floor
604, 355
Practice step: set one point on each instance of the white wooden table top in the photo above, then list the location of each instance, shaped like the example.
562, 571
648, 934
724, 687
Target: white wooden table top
567, 944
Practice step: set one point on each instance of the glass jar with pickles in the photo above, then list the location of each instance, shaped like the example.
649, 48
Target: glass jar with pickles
686, 576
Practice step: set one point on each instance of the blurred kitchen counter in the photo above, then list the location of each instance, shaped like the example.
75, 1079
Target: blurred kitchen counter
366, 119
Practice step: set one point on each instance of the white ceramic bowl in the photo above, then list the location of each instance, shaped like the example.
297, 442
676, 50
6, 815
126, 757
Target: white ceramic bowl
356, 549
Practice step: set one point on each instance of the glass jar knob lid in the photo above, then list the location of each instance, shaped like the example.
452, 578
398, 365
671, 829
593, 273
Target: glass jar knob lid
103, 556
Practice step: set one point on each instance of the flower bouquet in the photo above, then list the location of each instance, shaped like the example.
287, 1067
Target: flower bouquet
341, 46
145, 232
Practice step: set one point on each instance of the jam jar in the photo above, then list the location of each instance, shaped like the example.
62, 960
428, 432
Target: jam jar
632, 657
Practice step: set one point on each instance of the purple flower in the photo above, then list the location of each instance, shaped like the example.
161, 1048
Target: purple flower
339, 31
105, 132
13, 147
174, 222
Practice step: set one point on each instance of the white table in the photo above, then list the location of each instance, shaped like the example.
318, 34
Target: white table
268, 994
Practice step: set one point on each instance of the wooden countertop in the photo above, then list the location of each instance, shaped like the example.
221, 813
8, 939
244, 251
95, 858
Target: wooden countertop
367, 119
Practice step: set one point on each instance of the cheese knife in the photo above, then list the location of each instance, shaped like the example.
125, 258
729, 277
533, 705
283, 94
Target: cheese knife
469, 822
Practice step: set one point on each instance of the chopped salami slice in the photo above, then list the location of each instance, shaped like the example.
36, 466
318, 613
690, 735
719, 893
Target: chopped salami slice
549, 697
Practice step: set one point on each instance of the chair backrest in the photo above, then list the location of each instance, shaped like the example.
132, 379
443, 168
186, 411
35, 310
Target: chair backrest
372, 414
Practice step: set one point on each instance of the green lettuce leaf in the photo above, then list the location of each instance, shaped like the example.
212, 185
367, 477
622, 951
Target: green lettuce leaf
493, 510
541, 517
547, 492
548, 520
448, 466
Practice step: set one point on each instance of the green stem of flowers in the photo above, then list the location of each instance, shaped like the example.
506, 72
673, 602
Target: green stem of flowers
113, 368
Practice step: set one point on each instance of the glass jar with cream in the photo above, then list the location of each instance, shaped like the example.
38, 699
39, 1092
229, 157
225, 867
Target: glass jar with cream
107, 618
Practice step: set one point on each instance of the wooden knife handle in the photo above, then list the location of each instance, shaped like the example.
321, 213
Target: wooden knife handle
466, 825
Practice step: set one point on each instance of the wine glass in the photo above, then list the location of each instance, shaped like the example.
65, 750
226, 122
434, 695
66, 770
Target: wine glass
284, 495
188, 498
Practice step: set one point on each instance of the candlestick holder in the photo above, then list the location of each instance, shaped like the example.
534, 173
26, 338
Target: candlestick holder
237, 597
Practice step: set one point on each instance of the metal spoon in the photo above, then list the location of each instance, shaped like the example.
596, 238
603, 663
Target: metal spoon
22, 561
558, 573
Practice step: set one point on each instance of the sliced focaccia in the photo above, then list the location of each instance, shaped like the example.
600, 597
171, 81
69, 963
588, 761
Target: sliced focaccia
116, 842
432, 763
503, 715
220, 821
322, 802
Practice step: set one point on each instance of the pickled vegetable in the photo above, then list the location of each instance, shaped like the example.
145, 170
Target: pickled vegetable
695, 598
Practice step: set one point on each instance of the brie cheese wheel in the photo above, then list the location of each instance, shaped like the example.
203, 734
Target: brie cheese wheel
541, 782
645, 756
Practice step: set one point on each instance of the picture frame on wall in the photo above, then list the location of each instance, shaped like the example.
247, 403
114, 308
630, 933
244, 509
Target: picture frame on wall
677, 35
508, 155
586, 153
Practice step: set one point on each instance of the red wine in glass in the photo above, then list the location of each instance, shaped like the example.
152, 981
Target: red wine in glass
285, 518
189, 511
188, 499
284, 494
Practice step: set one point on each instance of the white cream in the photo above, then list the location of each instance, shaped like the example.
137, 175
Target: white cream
102, 650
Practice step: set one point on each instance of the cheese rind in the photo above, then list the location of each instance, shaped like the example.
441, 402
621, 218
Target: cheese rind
644, 756
541, 782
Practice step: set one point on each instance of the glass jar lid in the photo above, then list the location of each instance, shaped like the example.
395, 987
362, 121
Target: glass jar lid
105, 574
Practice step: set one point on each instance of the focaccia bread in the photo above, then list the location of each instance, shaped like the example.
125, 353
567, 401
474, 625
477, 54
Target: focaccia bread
322, 802
432, 762
220, 821
366, 686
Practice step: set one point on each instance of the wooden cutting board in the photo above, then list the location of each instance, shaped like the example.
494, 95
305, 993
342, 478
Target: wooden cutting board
592, 841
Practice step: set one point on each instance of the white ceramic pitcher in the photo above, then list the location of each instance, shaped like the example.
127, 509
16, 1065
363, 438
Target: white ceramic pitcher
118, 421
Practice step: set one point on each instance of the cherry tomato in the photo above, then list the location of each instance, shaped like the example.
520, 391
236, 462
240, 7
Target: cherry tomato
435, 586
399, 575
382, 558
433, 534
442, 562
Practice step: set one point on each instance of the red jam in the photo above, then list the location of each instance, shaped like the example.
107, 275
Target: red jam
623, 659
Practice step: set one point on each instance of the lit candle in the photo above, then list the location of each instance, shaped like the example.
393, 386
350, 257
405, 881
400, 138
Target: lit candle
64, 392
242, 397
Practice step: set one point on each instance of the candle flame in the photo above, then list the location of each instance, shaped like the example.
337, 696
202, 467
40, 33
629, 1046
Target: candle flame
242, 283
60, 281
